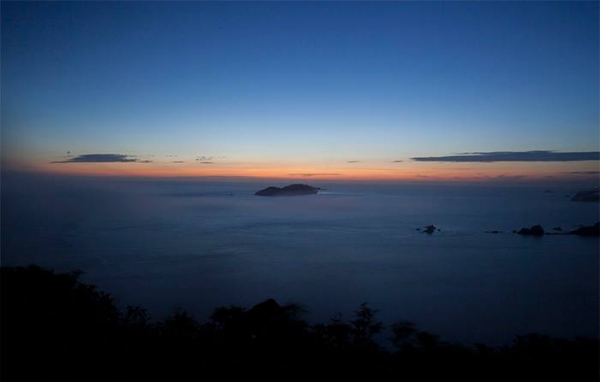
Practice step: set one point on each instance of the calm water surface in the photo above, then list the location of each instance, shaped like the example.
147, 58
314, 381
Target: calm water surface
199, 245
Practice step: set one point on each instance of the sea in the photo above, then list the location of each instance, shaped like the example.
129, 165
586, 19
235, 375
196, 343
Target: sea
197, 244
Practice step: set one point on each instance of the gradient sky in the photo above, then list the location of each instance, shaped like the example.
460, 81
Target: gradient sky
340, 90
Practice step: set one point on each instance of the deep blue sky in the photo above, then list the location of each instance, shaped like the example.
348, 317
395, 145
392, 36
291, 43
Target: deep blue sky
298, 83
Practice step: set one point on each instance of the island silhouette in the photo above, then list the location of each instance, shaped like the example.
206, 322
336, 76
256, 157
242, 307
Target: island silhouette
291, 190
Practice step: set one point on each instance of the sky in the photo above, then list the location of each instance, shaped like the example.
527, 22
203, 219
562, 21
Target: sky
306, 90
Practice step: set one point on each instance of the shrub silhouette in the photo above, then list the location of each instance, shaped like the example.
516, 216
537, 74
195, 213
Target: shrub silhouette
56, 328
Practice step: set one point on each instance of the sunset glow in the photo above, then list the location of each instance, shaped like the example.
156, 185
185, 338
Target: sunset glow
206, 90
380, 171
207, 190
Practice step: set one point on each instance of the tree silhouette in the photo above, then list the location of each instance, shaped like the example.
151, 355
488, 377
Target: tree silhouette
55, 328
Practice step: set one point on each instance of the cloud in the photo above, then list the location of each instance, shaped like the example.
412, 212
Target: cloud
585, 172
206, 162
313, 174
515, 156
353, 161
397, 161
204, 159
178, 161
101, 158
144, 161
508, 177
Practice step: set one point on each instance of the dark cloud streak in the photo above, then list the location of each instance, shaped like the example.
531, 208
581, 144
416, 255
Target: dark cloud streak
515, 156
314, 174
101, 158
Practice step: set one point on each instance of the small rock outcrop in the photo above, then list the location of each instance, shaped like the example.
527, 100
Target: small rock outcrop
535, 230
430, 229
291, 190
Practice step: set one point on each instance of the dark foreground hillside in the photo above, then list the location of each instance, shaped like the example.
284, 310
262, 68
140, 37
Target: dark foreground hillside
55, 328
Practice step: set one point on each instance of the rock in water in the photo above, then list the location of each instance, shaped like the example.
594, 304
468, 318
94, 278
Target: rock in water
535, 230
430, 229
587, 231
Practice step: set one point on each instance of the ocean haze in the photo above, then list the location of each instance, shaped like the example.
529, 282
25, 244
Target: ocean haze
202, 244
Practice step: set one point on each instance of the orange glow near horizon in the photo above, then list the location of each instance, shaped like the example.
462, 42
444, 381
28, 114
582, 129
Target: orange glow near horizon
408, 171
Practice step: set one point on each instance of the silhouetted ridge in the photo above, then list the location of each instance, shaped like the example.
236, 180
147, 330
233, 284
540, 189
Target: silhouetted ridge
56, 328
